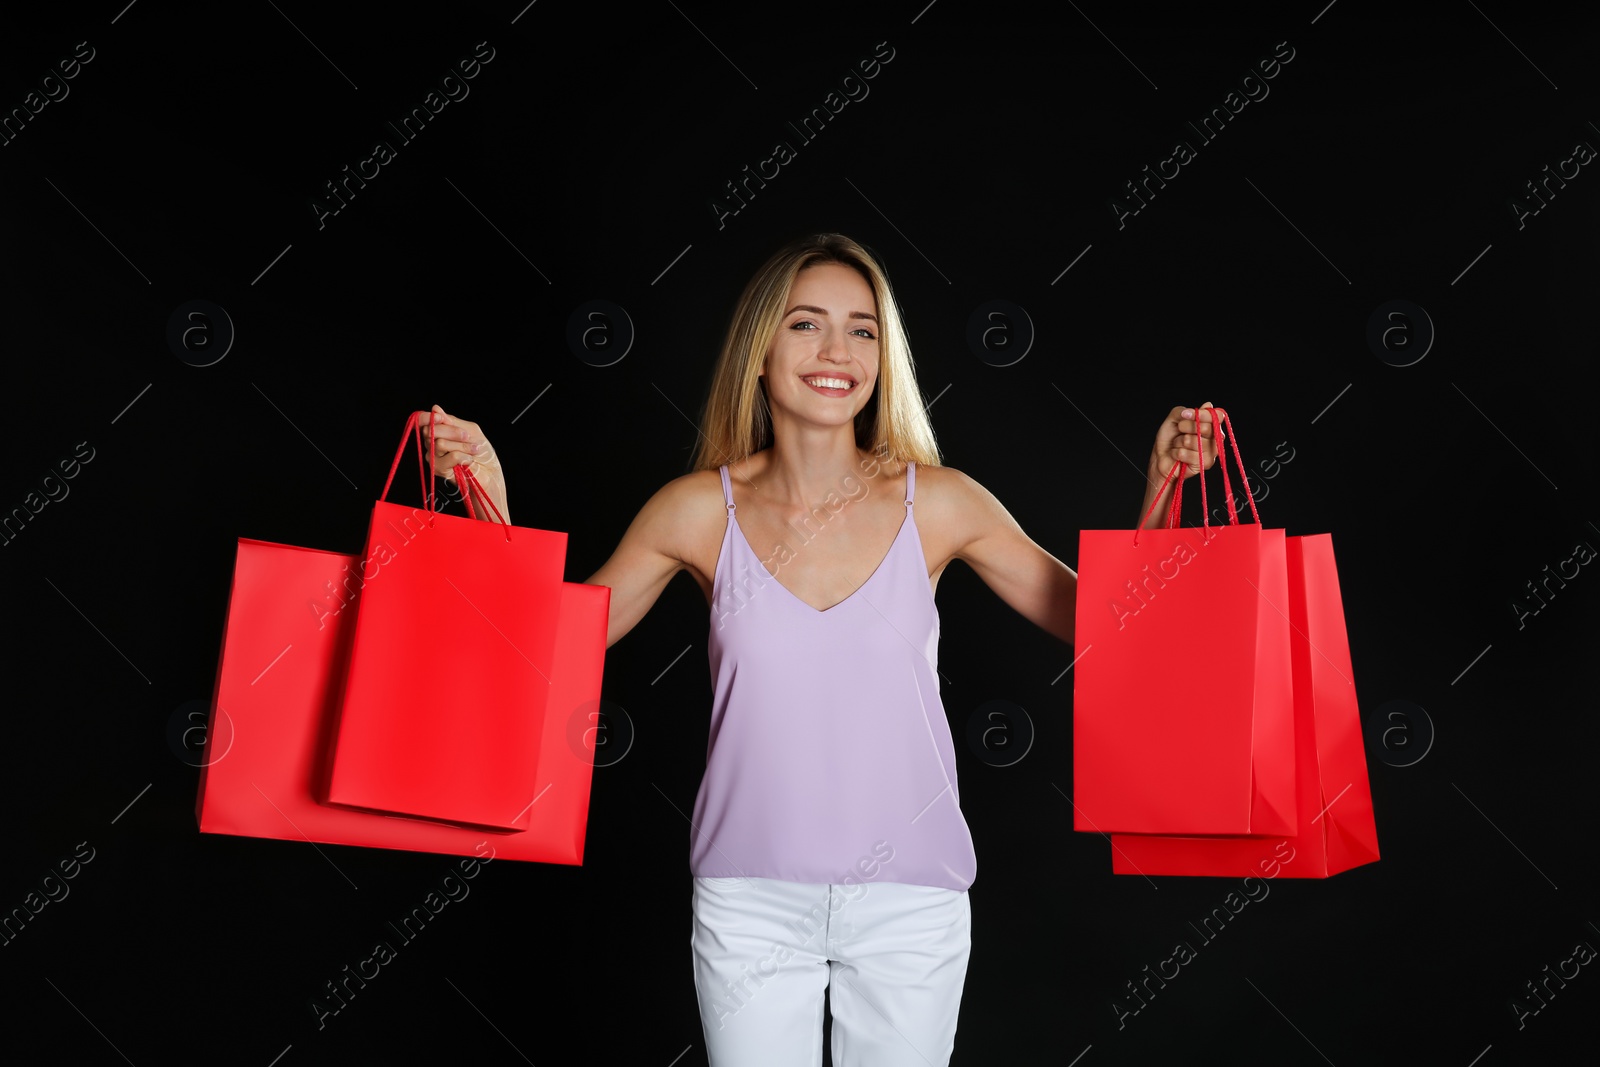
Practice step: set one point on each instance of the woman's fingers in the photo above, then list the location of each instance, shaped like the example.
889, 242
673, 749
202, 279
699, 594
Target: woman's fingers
454, 440
1189, 438
444, 464
1197, 436
443, 445
442, 425
440, 420
1208, 431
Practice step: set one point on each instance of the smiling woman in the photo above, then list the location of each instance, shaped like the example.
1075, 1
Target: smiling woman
790, 295
828, 736
833, 353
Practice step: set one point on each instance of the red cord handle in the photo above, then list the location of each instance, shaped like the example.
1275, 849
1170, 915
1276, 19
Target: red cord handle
470, 484
1244, 476
464, 476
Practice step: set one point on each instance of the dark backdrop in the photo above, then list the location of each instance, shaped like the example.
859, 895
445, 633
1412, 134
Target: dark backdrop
1387, 162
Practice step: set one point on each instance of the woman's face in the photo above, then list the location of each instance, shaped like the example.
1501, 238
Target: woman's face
823, 362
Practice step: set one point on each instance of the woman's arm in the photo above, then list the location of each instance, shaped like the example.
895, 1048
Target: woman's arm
1038, 586
653, 549
1034, 583
649, 554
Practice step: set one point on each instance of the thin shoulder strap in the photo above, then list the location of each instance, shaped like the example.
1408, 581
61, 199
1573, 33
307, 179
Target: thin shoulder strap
727, 489
911, 481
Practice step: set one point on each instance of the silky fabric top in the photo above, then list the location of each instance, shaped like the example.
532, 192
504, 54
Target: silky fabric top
830, 758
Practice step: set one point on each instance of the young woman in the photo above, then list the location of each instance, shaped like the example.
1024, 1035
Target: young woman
828, 850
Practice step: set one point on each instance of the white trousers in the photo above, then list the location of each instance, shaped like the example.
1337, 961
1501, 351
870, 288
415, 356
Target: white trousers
892, 956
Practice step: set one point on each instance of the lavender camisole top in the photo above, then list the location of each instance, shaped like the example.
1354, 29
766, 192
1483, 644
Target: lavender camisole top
830, 757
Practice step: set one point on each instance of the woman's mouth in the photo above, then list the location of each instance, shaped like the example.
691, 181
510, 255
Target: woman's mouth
829, 386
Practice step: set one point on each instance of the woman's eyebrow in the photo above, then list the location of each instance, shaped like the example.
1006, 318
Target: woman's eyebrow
823, 311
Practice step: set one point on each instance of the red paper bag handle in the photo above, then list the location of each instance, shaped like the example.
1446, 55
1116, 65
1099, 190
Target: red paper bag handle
1219, 416
414, 427
466, 489
469, 483
413, 424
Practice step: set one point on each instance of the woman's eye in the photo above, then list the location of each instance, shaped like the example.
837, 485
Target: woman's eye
807, 326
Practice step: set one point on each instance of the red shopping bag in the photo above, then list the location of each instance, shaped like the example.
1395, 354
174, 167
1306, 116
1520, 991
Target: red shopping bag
1156, 750
1332, 796
275, 706
450, 664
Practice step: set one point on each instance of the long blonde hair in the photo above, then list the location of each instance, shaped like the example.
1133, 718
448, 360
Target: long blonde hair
736, 420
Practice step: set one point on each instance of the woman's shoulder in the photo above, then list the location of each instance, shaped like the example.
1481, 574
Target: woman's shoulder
683, 516
937, 479
942, 480
948, 493
690, 493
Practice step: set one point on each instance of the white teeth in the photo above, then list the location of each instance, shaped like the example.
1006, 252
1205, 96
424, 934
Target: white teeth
829, 383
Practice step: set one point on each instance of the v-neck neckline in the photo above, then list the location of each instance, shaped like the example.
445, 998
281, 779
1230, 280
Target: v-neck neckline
904, 523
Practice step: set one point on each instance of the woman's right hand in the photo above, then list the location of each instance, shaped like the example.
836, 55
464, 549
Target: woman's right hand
457, 441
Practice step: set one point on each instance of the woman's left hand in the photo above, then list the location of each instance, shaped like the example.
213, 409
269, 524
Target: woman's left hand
1188, 436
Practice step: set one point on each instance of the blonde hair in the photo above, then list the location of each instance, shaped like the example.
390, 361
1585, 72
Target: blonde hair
736, 421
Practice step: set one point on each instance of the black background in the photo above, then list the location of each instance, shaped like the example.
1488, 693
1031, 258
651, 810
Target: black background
582, 166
